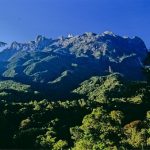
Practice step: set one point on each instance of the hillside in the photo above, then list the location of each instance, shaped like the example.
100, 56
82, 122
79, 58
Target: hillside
108, 107
83, 92
50, 65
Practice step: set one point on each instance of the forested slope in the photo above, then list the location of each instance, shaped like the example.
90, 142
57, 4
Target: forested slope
107, 113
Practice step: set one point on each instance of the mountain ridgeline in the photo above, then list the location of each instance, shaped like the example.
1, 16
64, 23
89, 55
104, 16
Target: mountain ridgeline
62, 64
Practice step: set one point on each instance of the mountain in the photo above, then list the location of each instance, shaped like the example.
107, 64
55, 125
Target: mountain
89, 44
83, 92
61, 64
2, 45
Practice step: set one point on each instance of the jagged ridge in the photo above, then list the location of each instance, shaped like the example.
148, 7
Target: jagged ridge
65, 62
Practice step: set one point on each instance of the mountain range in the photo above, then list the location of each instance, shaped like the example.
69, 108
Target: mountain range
84, 92
59, 65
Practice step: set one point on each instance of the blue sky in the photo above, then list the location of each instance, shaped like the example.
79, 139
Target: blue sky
23, 20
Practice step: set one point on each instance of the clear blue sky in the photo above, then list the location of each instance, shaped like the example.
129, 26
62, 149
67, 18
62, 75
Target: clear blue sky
23, 20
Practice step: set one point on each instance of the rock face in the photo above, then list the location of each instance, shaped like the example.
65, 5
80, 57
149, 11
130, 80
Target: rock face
74, 58
2, 45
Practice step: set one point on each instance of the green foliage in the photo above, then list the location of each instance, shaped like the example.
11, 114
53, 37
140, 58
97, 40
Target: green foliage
98, 132
117, 116
60, 145
148, 115
9, 84
106, 114
48, 140
25, 123
113, 88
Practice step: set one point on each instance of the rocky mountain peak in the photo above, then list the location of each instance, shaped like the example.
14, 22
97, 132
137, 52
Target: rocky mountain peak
89, 34
40, 38
99, 52
108, 33
2, 44
15, 45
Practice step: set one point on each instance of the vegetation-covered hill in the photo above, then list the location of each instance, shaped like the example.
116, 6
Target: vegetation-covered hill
107, 112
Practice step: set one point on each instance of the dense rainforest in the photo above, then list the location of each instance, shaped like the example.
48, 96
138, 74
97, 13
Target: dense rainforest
107, 112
